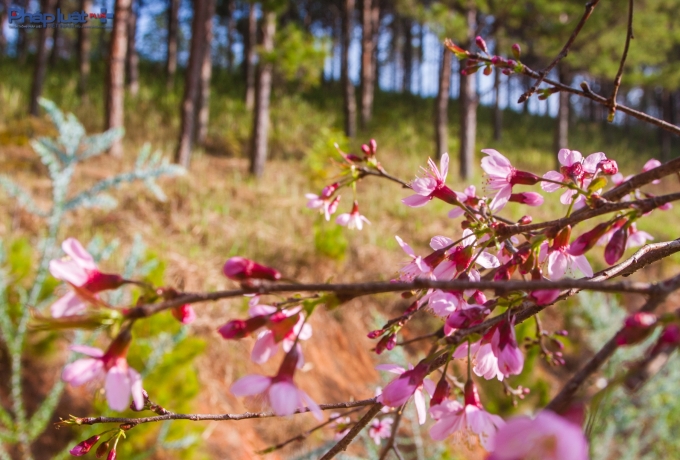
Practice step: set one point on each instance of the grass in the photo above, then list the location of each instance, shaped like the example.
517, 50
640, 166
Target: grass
218, 211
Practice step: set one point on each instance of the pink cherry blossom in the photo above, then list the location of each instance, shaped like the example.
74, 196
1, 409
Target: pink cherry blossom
185, 314
341, 425
468, 198
353, 219
548, 436
121, 381
465, 420
280, 392
419, 267
267, 343
574, 169
380, 429
325, 202
80, 271
410, 382
504, 345
484, 360
431, 185
651, 164
501, 176
559, 259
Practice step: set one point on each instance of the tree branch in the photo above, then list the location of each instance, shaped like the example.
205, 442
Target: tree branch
356, 429
393, 435
619, 73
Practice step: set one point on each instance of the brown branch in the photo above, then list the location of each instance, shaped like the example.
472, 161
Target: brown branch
590, 6
641, 179
380, 172
619, 73
356, 429
218, 417
393, 434
563, 399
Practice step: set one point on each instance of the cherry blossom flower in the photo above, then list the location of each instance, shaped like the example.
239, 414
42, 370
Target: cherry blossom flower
636, 328
380, 429
341, 425
410, 382
528, 198
634, 239
242, 269
560, 261
501, 176
504, 346
419, 267
465, 420
574, 169
280, 392
280, 331
353, 219
324, 202
431, 185
85, 446
121, 381
548, 436
79, 270
484, 360
468, 198
651, 164
185, 314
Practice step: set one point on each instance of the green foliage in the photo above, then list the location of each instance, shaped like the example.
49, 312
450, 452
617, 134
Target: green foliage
330, 241
298, 56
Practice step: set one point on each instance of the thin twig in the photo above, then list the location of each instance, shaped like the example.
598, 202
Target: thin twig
393, 435
590, 6
356, 429
619, 73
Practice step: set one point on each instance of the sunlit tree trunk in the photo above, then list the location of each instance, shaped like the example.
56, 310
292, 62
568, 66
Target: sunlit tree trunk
349, 101
441, 114
84, 47
249, 57
132, 57
192, 85
408, 55
3, 18
56, 40
260, 134
561, 139
497, 112
40, 68
231, 33
367, 62
667, 112
173, 28
468, 111
206, 74
115, 85
22, 43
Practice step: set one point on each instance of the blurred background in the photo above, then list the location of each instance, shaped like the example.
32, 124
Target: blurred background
250, 98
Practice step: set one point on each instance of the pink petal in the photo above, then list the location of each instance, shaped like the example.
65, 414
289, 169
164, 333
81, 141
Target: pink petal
446, 426
501, 198
136, 388
343, 219
67, 305
81, 371
439, 242
77, 252
311, 404
393, 368
651, 164
487, 260
569, 157
419, 402
567, 197
406, 248
582, 264
416, 201
552, 175
284, 398
89, 351
424, 185
264, 347
117, 388
592, 160
250, 385
456, 212
557, 265
68, 270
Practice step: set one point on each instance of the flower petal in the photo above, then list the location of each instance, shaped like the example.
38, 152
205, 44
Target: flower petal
250, 385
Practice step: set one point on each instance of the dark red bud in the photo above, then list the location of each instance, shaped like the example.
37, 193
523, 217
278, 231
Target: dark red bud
102, 449
441, 392
112, 455
524, 178
375, 334
471, 395
616, 246
103, 281
241, 269
636, 328
481, 44
585, 242
84, 447
525, 220
516, 51
562, 238
238, 328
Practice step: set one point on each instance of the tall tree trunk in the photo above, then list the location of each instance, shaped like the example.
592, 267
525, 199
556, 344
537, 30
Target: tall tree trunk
56, 40
22, 40
441, 114
192, 85
249, 57
258, 150
231, 34
132, 57
3, 18
206, 74
421, 56
84, 46
376, 17
40, 69
468, 111
408, 55
367, 69
396, 53
115, 76
349, 100
497, 112
173, 28
667, 109
561, 139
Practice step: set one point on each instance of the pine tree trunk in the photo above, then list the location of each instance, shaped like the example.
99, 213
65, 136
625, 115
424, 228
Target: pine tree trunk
22, 40
206, 74
3, 18
192, 85
441, 114
258, 151
231, 34
367, 70
408, 55
497, 112
115, 84
561, 140
421, 57
173, 28
666, 103
40, 68
468, 111
249, 60
376, 17
84, 47
132, 57
56, 41
349, 100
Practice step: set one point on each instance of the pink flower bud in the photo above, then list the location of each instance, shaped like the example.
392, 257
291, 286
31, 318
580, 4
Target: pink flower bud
562, 238
616, 246
112, 455
523, 178
441, 392
516, 51
185, 314
101, 450
329, 190
528, 198
487, 70
102, 281
398, 391
373, 145
467, 317
238, 328
608, 167
525, 220
471, 395
636, 328
481, 43
507, 72
84, 447
241, 269
375, 334
585, 242
545, 296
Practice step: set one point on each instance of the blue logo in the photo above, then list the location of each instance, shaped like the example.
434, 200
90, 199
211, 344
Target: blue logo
19, 17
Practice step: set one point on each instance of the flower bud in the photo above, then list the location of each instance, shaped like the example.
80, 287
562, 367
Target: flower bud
528, 198
524, 178
562, 238
467, 317
608, 167
185, 314
84, 447
636, 328
481, 44
101, 450
329, 190
525, 220
585, 242
241, 269
373, 145
375, 334
487, 70
112, 455
441, 392
238, 328
103, 281
471, 395
616, 246
516, 51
